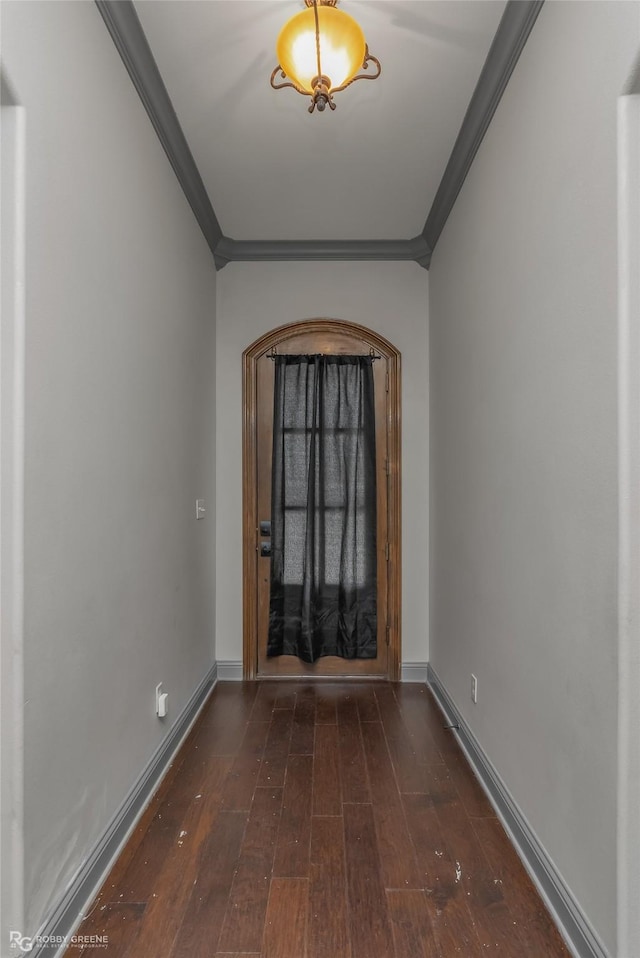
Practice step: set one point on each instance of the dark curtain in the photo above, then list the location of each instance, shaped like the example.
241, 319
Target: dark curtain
323, 519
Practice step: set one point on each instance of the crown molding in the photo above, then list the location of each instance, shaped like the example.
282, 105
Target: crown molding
126, 31
249, 251
129, 38
513, 31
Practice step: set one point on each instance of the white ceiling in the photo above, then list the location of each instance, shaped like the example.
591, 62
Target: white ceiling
368, 170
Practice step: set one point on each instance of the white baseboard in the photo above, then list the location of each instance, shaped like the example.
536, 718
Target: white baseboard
414, 671
574, 926
69, 912
230, 671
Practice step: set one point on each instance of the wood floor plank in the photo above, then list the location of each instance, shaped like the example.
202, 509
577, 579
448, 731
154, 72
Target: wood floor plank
326, 705
243, 924
294, 835
353, 767
403, 748
369, 920
233, 699
382, 779
472, 795
244, 919
276, 751
451, 920
204, 913
163, 915
138, 879
221, 738
412, 933
328, 932
285, 927
532, 926
493, 922
223, 722
437, 782
118, 922
438, 869
398, 865
304, 719
412, 753
454, 933
135, 870
423, 716
469, 789
347, 710
286, 696
143, 842
265, 700
327, 798
242, 778
367, 704
424, 721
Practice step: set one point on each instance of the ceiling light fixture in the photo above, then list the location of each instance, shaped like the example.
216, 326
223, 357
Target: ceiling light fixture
320, 51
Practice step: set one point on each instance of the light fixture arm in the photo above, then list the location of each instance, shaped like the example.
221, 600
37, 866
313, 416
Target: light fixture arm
281, 86
369, 58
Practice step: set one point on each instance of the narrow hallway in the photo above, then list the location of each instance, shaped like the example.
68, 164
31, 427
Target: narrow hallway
320, 821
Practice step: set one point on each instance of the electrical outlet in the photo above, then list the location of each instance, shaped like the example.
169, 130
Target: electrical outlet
474, 688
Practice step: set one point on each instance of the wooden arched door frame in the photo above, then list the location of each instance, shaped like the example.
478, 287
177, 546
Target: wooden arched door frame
277, 338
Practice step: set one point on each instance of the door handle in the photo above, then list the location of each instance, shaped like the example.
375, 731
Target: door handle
265, 549
265, 527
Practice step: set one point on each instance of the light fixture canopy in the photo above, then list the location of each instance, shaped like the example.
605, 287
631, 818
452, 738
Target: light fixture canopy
320, 51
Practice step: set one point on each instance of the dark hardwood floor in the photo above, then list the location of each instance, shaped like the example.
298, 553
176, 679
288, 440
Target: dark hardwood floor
320, 821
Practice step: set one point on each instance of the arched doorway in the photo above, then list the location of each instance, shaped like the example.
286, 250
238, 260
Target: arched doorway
319, 337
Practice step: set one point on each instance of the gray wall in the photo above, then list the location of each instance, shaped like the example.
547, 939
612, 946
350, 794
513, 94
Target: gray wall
120, 367
629, 508
524, 452
390, 298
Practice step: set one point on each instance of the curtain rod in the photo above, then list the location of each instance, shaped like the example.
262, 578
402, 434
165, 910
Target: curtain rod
274, 352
